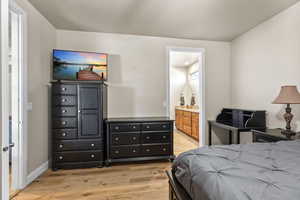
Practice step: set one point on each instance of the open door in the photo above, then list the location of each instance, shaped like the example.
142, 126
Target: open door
4, 122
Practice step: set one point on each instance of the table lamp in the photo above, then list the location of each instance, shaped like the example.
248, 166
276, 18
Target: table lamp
288, 95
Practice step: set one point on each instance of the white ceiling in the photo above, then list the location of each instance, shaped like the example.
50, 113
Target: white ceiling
192, 19
183, 59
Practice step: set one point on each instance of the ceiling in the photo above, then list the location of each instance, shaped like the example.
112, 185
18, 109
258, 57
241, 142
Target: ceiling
220, 20
183, 59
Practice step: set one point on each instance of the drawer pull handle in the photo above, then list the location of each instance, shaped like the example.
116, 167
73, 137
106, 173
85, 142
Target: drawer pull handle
164, 137
117, 139
134, 138
64, 111
164, 149
164, 126
60, 157
148, 137
134, 151
148, 150
64, 100
64, 134
92, 145
92, 156
117, 128
63, 89
63, 122
61, 146
116, 152
134, 127
147, 127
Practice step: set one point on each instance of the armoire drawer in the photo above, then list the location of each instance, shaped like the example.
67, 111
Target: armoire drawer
155, 150
65, 134
78, 145
156, 126
125, 151
64, 100
64, 89
65, 122
125, 127
155, 137
78, 156
64, 111
125, 138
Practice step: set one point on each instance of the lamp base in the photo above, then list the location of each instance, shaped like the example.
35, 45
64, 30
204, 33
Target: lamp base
288, 116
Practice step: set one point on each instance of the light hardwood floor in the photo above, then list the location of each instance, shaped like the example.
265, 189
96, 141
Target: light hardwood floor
119, 182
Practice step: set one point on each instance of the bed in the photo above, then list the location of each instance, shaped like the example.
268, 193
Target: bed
259, 171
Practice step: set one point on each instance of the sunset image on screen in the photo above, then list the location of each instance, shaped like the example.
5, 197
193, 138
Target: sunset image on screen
73, 65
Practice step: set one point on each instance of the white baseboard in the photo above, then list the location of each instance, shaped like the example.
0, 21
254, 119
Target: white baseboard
37, 172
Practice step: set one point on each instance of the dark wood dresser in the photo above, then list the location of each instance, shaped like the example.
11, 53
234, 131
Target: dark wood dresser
139, 139
78, 113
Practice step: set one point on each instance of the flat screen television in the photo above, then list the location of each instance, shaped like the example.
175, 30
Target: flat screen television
78, 65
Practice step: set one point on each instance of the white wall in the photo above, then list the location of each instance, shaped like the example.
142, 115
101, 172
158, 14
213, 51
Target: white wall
41, 40
264, 59
137, 70
177, 82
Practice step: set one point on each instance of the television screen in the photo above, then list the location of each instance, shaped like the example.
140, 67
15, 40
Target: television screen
75, 65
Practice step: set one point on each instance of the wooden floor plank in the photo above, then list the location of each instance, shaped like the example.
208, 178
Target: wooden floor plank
141, 181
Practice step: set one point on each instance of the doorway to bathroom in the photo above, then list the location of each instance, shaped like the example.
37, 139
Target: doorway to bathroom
17, 110
186, 93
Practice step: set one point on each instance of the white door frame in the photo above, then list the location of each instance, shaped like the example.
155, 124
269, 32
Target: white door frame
19, 161
4, 126
202, 121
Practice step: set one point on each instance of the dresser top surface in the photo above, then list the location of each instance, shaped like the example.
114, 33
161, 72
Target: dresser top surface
77, 82
139, 119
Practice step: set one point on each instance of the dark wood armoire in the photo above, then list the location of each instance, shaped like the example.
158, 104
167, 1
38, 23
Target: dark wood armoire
79, 109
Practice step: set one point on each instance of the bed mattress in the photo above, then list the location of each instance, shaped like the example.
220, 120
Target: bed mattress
260, 171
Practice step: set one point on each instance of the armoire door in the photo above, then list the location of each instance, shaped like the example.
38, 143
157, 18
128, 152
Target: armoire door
89, 117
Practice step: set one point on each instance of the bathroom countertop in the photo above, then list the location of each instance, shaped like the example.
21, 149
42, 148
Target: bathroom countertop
196, 110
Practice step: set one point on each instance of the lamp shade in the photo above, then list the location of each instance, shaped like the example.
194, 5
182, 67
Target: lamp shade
288, 95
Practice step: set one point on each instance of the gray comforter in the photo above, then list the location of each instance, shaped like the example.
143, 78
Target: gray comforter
269, 171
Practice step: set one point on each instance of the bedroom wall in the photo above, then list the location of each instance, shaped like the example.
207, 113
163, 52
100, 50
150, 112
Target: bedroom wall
263, 60
138, 71
41, 39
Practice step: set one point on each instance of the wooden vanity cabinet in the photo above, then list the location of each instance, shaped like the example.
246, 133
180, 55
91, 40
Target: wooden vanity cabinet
187, 122
195, 125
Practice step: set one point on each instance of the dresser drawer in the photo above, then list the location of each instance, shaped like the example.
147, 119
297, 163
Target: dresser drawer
187, 114
195, 116
160, 126
125, 138
155, 150
187, 121
75, 145
125, 127
64, 111
155, 137
64, 89
65, 122
78, 156
64, 100
125, 151
65, 134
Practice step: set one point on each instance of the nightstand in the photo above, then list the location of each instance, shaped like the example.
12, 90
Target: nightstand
271, 135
